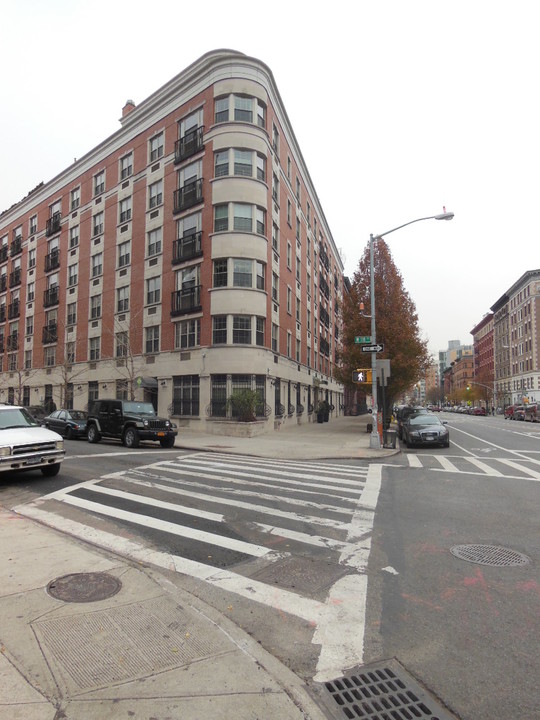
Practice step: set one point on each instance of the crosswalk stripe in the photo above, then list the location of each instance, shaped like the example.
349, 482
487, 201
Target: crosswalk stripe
518, 466
325, 522
487, 469
217, 475
168, 527
334, 468
446, 464
414, 461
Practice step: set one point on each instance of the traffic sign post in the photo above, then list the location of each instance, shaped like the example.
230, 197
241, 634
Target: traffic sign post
362, 339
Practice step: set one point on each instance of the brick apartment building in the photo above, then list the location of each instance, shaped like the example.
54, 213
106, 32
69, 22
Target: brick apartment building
184, 257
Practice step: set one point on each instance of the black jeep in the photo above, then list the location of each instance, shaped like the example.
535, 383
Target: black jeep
129, 421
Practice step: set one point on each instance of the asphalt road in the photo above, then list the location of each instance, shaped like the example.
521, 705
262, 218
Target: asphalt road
467, 631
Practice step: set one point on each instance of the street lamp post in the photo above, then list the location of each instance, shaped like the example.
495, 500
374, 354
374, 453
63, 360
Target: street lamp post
375, 440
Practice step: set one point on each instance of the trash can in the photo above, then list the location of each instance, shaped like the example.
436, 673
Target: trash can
389, 438
369, 427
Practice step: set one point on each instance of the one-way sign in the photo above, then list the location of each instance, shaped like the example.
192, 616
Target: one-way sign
373, 348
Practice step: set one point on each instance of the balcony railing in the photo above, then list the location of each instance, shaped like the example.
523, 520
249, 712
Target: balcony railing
15, 277
12, 342
14, 309
16, 246
53, 224
4, 251
188, 196
3, 283
51, 297
49, 333
52, 260
191, 143
187, 247
186, 301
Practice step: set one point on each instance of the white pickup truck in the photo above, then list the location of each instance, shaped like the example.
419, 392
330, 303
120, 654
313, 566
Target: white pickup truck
25, 445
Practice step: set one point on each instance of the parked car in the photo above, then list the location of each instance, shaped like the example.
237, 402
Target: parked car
403, 413
69, 423
424, 429
514, 412
38, 412
25, 445
129, 421
479, 411
531, 412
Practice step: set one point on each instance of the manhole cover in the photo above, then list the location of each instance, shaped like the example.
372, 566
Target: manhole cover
489, 555
383, 691
84, 587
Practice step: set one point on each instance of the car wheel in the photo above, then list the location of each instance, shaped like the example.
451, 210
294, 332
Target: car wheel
51, 470
446, 444
69, 433
131, 438
167, 443
93, 435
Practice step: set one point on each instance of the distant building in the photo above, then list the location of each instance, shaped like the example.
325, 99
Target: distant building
483, 356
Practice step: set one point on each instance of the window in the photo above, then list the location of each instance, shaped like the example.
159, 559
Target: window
221, 163
275, 188
99, 183
32, 226
289, 168
275, 237
187, 334
31, 258
298, 190
152, 339
275, 338
241, 330
221, 110
125, 209
95, 348
289, 300
72, 274
289, 212
260, 269
259, 332
275, 287
97, 227
242, 273
75, 200
95, 307
29, 329
73, 236
220, 273
27, 359
298, 351
289, 255
154, 238
97, 265
261, 114
156, 147
122, 341
153, 290
243, 163
219, 329
49, 356
243, 217
124, 254
122, 299
221, 218
275, 139
261, 221
261, 167
126, 166
70, 352
155, 194
186, 395
289, 339
72, 314
243, 109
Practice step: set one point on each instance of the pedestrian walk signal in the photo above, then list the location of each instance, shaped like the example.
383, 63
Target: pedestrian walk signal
362, 376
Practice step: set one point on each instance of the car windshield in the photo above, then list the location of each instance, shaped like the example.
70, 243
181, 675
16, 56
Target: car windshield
423, 419
16, 417
139, 408
78, 415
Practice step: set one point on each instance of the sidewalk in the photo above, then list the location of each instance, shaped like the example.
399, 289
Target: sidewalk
152, 651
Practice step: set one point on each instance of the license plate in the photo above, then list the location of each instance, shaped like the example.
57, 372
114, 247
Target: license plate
33, 461
161, 434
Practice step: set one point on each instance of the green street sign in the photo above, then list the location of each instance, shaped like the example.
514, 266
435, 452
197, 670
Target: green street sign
360, 339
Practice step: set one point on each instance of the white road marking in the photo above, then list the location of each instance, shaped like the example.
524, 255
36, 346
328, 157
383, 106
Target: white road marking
341, 632
518, 466
447, 465
487, 469
414, 461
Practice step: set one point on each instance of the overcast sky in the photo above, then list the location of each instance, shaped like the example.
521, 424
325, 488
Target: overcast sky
400, 107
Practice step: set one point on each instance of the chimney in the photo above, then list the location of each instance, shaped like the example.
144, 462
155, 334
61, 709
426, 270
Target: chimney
128, 107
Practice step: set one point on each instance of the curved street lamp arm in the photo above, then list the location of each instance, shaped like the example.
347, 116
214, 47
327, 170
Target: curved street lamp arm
441, 216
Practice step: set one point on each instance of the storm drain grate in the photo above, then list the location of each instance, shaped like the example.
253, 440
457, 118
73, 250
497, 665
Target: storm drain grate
489, 555
382, 692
